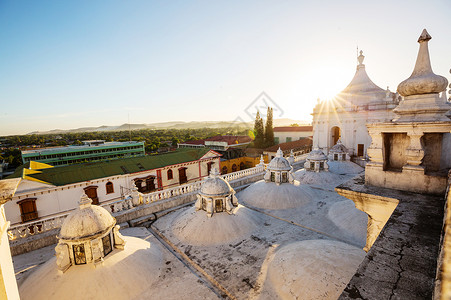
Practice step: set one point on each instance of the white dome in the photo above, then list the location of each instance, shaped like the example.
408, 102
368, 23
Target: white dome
279, 163
315, 269
268, 195
338, 148
124, 274
215, 185
323, 179
198, 229
316, 154
86, 221
344, 167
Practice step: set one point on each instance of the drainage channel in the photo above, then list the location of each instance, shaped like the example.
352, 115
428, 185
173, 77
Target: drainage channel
305, 227
208, 280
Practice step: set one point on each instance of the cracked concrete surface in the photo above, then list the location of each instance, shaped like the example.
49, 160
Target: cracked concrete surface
402, 262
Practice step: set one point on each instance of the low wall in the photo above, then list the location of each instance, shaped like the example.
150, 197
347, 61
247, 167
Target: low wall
48, 238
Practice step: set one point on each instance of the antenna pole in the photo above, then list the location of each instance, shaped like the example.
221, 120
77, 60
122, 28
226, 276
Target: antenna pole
129, 129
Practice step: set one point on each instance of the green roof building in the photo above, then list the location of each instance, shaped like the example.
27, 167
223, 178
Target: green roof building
93, 150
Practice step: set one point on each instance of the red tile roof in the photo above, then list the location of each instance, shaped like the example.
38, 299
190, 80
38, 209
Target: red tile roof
293, 128
290, 145
230, 139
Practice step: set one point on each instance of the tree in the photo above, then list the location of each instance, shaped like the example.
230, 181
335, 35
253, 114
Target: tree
259, 134
175, 141
269, 131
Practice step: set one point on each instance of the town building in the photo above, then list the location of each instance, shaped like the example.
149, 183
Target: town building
90, 151
345, 116
46, 190
288, 134
297, 147
232, 149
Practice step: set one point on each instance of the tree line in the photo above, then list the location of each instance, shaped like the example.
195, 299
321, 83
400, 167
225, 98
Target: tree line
153, 139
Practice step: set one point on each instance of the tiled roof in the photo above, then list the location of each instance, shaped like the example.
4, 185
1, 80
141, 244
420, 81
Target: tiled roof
293, 129
290, 145
89, 171
230, 139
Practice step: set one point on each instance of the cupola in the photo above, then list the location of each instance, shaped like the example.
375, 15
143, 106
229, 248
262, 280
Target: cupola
279, 170
216, 195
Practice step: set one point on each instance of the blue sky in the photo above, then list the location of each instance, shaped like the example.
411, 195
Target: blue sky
70, 64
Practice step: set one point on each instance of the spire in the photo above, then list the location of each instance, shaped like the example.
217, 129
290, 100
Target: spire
423, 80
422, 101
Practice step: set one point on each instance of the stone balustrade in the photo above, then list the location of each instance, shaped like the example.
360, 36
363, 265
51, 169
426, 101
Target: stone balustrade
36, 227
300, 157
21, 231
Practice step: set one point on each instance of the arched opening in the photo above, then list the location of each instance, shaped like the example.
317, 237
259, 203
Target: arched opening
224, 170
234, 168
242, 167
109, 187
335, 135
170, 175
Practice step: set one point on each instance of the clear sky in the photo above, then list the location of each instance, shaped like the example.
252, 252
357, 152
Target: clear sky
70, 64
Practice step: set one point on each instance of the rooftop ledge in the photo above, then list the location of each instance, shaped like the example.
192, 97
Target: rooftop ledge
403, 242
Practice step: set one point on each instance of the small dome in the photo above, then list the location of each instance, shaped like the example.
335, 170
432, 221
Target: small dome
339, 148
214, 185
86, 221
279, 163
316, 154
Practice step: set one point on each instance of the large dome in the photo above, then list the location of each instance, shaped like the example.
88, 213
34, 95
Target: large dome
131, 273
215, 185
86, 221
198, 229
268, 195
315, 269
279, 163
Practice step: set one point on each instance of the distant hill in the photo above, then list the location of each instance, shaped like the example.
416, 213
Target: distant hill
169, 125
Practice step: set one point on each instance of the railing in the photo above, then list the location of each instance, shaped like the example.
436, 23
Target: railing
24, 230
243, 173
300, 157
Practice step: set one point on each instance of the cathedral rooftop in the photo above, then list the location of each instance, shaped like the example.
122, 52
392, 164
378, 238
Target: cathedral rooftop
361, 83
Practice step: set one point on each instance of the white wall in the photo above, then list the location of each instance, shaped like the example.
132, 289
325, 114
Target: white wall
52, 200
295, 135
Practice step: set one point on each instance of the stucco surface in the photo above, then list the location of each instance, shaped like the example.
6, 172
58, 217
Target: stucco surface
195, 227
344, 167
329, 265
268, 195
143, 270
86, 222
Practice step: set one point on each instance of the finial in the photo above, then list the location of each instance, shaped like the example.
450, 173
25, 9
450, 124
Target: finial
423, 80
291, 153
360, 58
85, 201
279, 153
424, 37
214, 173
